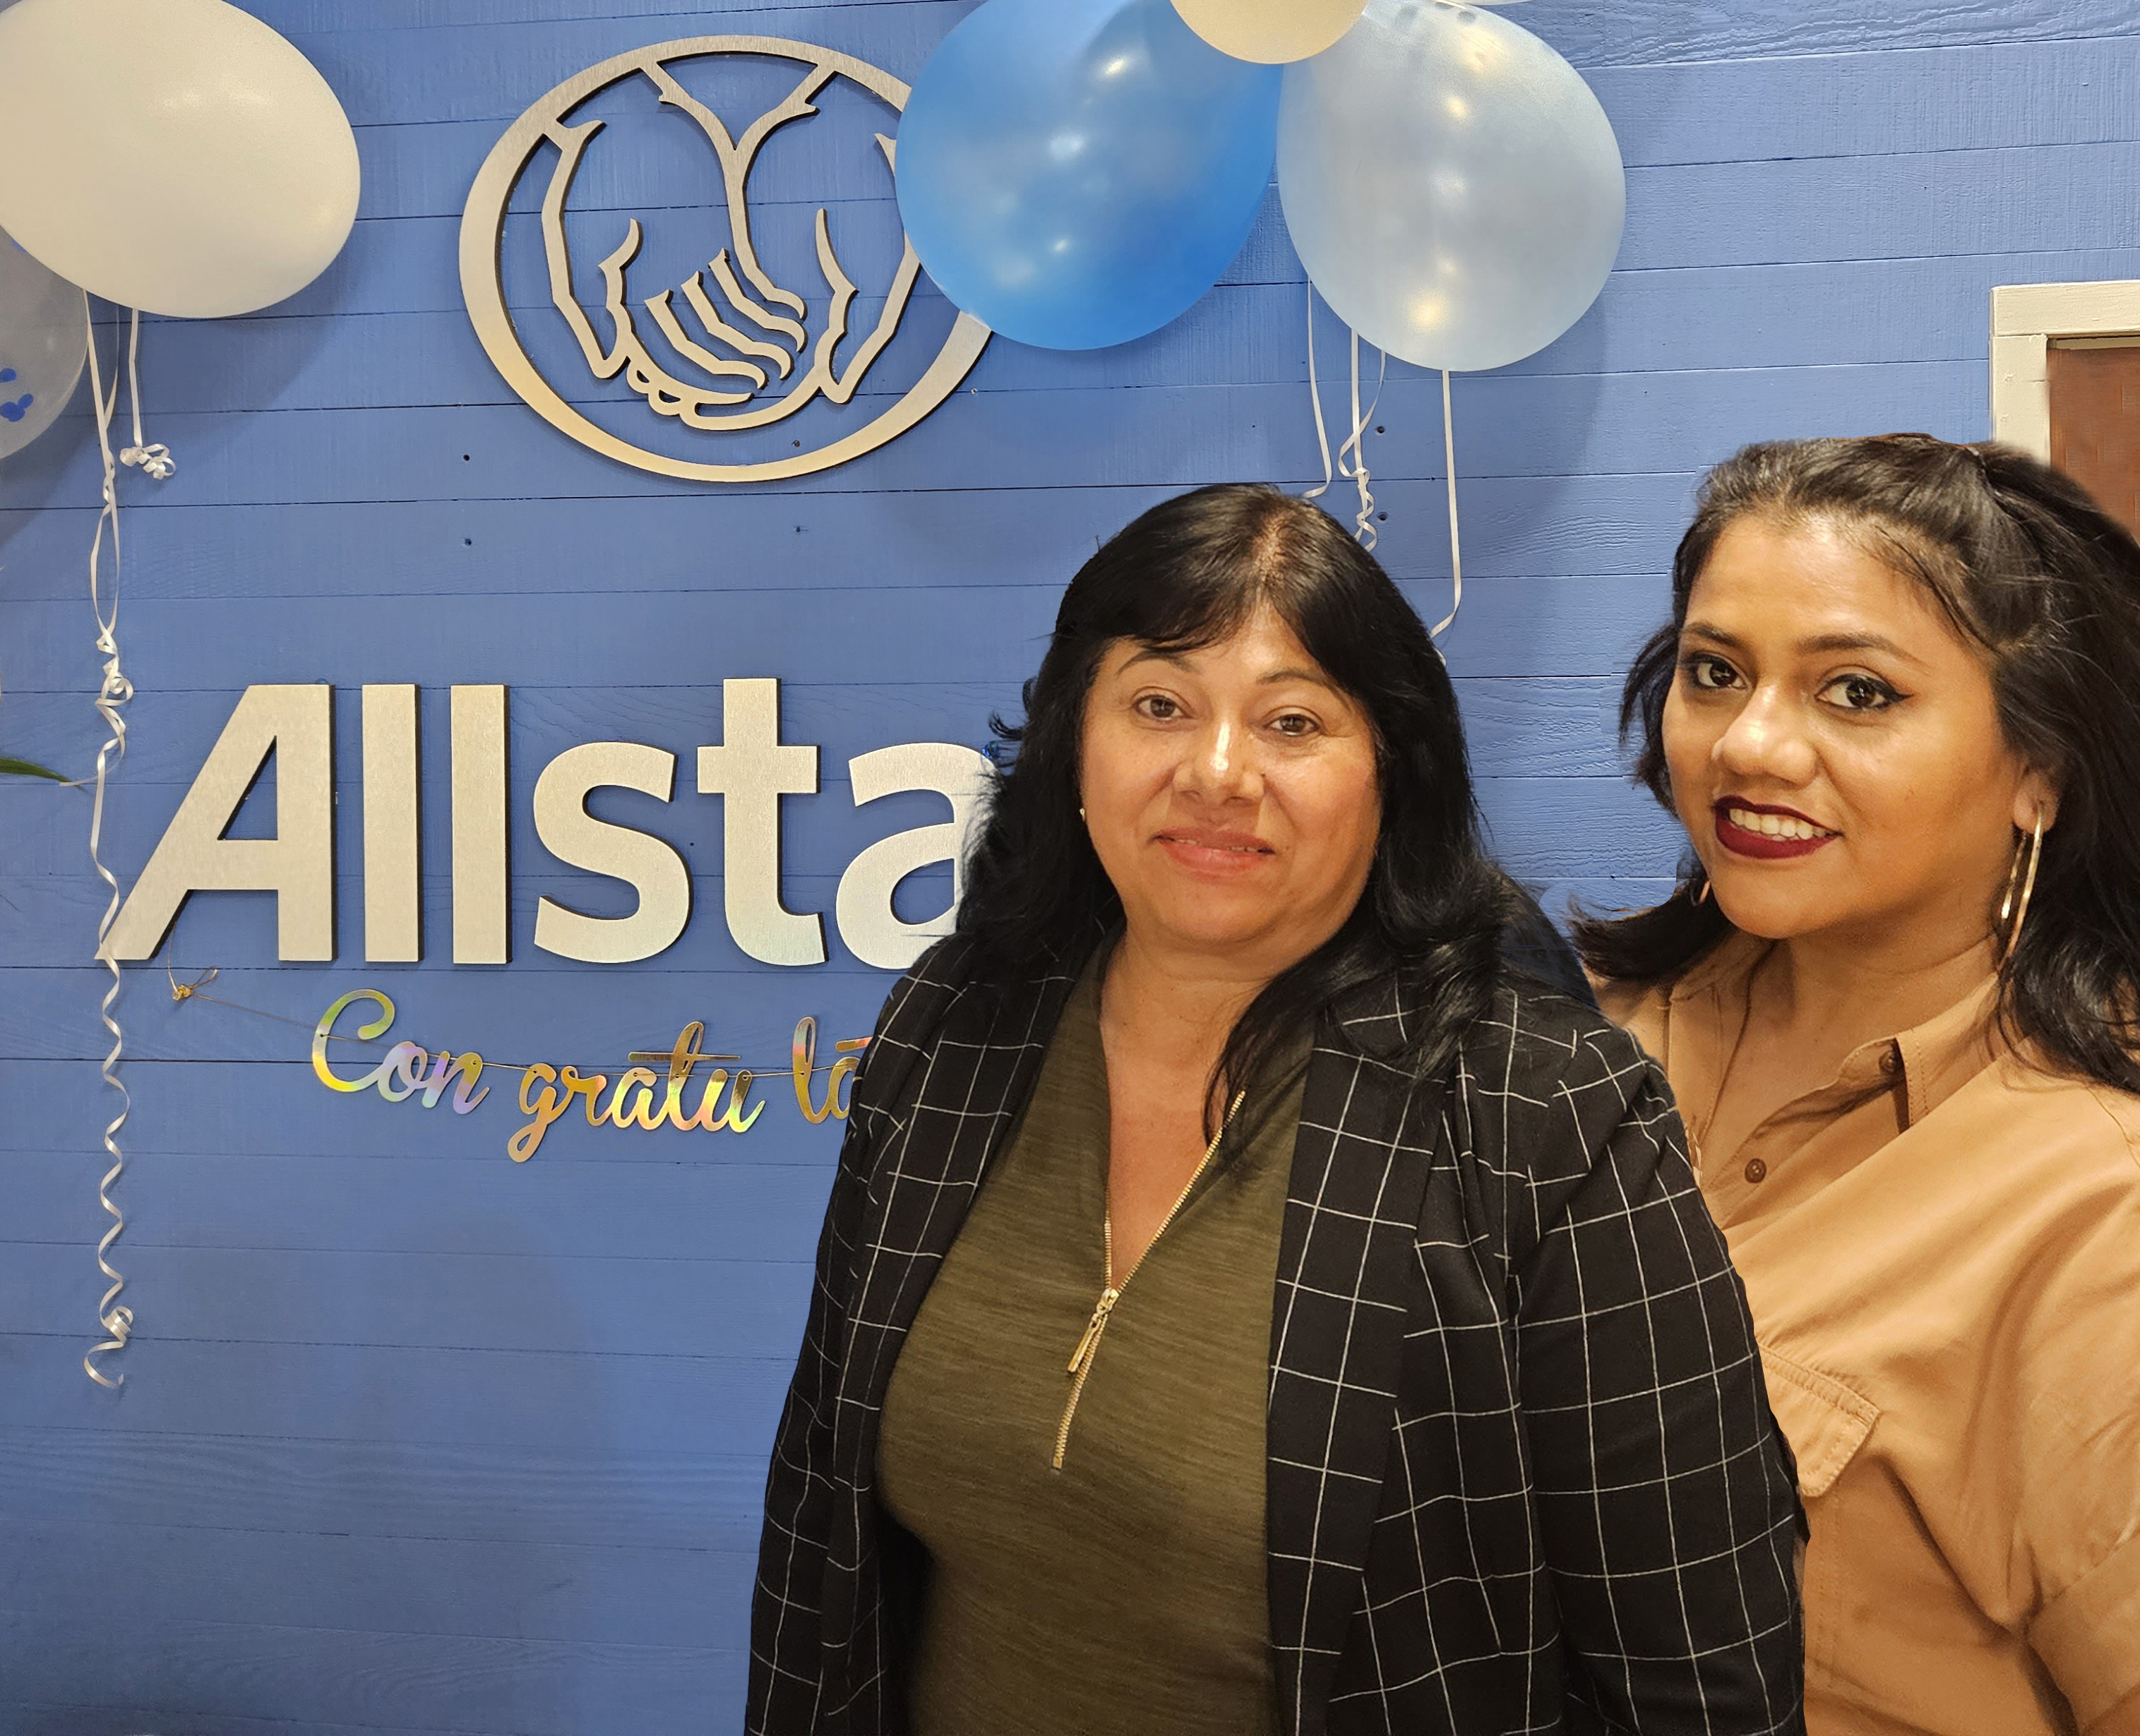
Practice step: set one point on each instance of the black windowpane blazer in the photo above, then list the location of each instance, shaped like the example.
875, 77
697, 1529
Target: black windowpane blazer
1522, 1473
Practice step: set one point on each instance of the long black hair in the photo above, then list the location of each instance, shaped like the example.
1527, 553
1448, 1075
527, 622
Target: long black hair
1187, 575
2027, 566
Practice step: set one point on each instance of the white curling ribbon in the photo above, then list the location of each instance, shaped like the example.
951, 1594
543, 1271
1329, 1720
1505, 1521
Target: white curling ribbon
1455, 547
113, 1317
1355, 470
1363, 524
1315, 399
155, 460
1365, 529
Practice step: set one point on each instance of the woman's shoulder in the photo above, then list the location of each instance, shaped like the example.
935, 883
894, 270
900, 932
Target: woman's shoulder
1642, 1005
1542, 1076
2080, 1127
1531, 1036
913, 1016
957, 992
1638, 1008
1546, 1093
1543, 1031
924, 993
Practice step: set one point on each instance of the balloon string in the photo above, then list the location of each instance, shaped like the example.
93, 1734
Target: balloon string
1351, 455
1455, 547
156, 460
1315, 399
114, 1316
1363, 523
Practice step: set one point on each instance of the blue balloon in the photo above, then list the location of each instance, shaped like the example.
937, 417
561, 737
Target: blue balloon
1076, 173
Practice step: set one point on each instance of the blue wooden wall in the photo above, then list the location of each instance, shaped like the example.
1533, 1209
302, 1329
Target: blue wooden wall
414, 1439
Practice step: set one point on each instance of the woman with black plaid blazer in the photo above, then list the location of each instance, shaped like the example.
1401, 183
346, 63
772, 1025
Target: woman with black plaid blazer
1434, 1406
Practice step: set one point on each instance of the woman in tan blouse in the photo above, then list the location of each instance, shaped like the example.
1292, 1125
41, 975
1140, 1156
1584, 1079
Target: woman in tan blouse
1897, 710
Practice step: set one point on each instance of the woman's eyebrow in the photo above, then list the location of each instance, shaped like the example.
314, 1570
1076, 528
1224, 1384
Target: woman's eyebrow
1856, 642
1820, 642
1180, 659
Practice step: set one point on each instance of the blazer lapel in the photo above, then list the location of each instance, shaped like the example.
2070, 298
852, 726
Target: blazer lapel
958, 1100
955, 1114
1346, 1264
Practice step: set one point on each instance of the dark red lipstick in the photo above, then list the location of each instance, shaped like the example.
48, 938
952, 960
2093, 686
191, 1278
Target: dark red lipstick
1764, 846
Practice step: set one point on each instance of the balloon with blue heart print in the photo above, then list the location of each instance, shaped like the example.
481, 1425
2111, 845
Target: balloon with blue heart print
44, 340
1076, 173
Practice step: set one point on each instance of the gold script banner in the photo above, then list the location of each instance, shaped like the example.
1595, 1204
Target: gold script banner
639, 1099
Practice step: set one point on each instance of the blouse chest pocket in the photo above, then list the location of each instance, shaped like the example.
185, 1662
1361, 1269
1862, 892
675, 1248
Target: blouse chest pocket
1826, 1423
1825, 1420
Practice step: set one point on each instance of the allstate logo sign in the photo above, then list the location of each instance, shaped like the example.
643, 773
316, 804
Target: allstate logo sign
687, 332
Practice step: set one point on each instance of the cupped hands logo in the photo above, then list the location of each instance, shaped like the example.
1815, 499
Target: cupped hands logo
726, 348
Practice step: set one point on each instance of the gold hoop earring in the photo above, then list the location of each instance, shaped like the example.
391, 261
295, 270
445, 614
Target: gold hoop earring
2009, 906
1702, 896
1081, 815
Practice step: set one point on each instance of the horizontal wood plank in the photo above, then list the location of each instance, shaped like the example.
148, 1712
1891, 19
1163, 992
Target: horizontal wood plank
425, 1299
621, 1495
315, 1677
554, 1400
684, 1596
570, 1203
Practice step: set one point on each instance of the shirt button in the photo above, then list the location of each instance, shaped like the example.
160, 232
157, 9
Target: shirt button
1756, 1170
1889, 1062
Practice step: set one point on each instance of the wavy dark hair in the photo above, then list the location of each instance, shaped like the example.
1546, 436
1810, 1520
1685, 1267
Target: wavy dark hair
2026, 565
1187, 575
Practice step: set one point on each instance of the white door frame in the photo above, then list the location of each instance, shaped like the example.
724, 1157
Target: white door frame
2025, 317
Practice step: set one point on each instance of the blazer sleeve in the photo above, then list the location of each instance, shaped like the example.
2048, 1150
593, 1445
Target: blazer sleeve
1666, 1492
786, 1661
787, 1656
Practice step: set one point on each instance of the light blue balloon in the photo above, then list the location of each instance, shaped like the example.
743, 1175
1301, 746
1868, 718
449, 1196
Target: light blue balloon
1076, 173
1450, 183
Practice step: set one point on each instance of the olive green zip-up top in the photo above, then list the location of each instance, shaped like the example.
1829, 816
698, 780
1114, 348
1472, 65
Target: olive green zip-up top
1125, 1592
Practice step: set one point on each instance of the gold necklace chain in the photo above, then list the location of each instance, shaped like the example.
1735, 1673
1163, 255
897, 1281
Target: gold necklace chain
1110, 1292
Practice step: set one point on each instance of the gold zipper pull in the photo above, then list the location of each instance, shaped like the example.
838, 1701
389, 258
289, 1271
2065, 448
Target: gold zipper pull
1088, 1344
1089, 1341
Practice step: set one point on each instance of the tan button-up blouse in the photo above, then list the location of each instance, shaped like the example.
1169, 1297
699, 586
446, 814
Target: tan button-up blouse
1942, 1250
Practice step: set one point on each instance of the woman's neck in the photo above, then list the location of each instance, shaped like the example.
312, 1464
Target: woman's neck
1852, 994
1174, 1007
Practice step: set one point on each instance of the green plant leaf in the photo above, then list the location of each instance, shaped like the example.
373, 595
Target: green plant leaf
24, 768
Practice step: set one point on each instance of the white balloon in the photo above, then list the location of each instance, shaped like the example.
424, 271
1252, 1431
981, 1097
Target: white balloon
1450, 183
44, 340
173, 156
1271, 31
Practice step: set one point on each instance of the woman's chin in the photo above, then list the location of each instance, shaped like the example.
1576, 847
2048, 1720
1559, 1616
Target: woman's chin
1775, 912
1207, 919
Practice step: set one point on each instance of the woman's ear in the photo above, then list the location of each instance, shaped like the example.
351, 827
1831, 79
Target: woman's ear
2036, 795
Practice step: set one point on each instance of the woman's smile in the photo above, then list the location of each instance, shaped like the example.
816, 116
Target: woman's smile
1767, 832
1214, 853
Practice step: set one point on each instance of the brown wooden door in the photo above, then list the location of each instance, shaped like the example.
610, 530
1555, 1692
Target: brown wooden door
2095, 420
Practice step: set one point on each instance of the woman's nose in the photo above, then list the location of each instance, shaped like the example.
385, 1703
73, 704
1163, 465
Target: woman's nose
1220, 765
1765, 740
